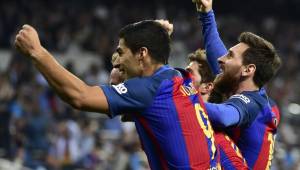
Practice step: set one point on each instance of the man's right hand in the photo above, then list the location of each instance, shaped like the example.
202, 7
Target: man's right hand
27, 41
203, 5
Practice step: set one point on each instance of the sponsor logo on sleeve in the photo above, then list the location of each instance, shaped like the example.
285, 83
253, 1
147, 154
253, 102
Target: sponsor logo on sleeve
245, 99
120, 88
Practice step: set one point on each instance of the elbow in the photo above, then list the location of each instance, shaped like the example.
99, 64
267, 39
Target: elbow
225, 122
76, 104
76, 99
221, 124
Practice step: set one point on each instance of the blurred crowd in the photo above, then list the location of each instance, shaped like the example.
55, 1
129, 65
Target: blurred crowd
39, 131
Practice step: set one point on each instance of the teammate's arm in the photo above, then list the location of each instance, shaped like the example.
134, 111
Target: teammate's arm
222, 115
238, 110
214, 46
70, 88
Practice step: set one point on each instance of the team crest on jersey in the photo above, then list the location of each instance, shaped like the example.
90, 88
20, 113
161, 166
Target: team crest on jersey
242, 97
120, 88
188, 90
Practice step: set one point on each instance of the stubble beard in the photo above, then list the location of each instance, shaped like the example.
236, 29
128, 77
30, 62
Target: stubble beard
225, 85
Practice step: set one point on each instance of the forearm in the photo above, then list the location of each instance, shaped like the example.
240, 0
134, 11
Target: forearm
70, 88
214, 46
65, 84
222, 115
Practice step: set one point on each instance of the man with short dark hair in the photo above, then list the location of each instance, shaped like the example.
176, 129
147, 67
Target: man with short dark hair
168, 112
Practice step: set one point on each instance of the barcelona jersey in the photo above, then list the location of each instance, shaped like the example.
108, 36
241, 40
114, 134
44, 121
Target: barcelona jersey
170, 119
255, 135
230, 156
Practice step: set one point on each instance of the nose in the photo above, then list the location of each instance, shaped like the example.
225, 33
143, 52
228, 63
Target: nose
188, 68
116, 63
222, 59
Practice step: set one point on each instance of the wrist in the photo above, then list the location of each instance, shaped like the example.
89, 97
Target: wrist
38, 53
208, 10
204, 14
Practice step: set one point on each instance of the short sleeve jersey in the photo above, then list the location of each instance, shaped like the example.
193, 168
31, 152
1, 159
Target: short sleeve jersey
255, 134
170, 119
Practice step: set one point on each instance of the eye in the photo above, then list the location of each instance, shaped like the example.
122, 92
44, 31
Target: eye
119, 51
230, 55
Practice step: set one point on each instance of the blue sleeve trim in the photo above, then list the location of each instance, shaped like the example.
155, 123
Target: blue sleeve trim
214, 46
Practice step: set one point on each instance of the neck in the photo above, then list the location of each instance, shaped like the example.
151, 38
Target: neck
150, 69
205, 97
247, 85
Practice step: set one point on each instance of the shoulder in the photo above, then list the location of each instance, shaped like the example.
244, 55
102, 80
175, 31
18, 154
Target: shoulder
167, 72
248, 104
248, 99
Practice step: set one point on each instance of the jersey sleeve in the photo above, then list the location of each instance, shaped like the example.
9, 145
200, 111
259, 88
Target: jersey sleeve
246, 107
132, 96
214, 46
222, 115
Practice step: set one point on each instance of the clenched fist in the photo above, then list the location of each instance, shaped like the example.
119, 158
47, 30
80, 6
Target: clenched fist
27, 41
166, 25
203, 5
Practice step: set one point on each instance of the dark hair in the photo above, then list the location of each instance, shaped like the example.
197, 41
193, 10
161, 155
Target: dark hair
206, 73
149, 34
263, 55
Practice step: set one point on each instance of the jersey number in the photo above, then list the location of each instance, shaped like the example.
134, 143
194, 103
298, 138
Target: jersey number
271, 139
207, 129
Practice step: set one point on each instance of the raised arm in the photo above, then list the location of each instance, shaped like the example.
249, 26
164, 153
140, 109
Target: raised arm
213, 44
69, 87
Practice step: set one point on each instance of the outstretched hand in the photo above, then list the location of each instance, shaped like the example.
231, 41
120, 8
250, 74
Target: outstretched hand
27, 41
203, 5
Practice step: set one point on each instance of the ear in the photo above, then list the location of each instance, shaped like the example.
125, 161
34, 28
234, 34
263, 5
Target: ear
249, 70
209, 86
143, 53
206, 88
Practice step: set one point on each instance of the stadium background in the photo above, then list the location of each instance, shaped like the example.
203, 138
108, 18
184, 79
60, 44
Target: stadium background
38, 131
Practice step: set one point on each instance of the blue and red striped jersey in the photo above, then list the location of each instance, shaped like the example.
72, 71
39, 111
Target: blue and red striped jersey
230, 156
255, 134
170, 119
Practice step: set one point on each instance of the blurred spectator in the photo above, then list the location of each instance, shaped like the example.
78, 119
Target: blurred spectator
6, 95
39, 131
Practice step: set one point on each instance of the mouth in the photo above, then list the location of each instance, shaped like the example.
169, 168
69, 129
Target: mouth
221, 69
116, 66
119, 67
